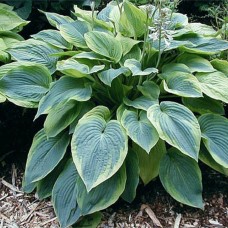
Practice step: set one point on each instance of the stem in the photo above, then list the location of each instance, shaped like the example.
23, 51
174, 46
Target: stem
93, 9
118, 4
140, 80
159, 44
145, 36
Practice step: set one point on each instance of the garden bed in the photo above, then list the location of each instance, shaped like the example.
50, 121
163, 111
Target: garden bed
152, 203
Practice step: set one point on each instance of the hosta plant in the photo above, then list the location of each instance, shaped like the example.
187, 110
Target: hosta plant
129, 94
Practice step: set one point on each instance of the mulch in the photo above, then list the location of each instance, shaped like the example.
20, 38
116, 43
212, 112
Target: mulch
153, 207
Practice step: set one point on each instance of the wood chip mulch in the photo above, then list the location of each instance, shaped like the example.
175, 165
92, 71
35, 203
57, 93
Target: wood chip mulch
153, 207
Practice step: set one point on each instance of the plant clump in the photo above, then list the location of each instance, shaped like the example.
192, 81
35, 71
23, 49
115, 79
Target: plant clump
129, 93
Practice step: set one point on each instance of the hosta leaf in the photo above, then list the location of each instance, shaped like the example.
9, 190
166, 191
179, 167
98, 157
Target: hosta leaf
177, 125
140, 103
205, 46
214, 85
57, 20
5, 6
134, 53
35, 51
99, 111
132, 20
215, 135
149, 163
44, 155
104, 44
64, 196
206, 158
127, 43
178, 20
91, 55
99, 148
204, 105
74, 33
103, 195
63, 90
44, 187
109, 75
84, 108
60, 117
136, 68
110, 13
53, 37
220, 65
2, 98
28, 187
132, 170
10, 20
4, 69
149, 89
195, 63
172, 67
139, 129
92, 19
25, 85
182, 84
4, 57
91, 221
202, 29
9, 39
164, 46
181, 177
73, 68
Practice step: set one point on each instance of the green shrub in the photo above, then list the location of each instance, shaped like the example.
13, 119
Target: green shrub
129, 93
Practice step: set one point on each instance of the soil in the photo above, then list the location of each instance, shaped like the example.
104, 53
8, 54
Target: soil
153, 207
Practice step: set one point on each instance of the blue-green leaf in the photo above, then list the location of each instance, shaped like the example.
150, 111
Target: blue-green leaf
132, 170
61, 117
136, 68
53, 37
44, 155
140, 103
35, 51
181, 177
214, 85
177, 125
99, 147
64, 196
57, 20
182, 84
103, 195
76, 69
25, 85
109, 75
195, 63
63, 90
74, 33
139, 129
215, 135
104, 44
